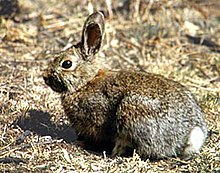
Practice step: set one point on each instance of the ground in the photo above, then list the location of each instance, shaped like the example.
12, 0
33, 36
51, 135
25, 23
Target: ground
177, 39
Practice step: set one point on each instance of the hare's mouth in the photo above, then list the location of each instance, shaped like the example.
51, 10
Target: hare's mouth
55, 84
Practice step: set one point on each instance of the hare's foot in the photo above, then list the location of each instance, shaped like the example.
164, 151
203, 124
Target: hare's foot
195, 141
121, 146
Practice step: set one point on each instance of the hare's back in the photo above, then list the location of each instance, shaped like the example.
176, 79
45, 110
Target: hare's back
156, 94
149, 84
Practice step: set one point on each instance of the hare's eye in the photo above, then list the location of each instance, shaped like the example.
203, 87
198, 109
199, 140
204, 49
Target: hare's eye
67, 64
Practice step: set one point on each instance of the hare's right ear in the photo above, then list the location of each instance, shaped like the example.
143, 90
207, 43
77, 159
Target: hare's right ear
92, 35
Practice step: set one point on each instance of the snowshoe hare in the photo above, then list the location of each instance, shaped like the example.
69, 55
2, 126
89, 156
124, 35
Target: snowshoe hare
155, 116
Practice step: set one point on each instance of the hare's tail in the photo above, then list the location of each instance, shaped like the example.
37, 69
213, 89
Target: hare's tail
195, 141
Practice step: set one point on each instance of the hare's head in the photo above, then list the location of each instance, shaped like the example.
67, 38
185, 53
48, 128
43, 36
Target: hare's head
76, 66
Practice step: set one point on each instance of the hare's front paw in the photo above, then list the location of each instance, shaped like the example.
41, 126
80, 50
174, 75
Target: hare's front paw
122, 144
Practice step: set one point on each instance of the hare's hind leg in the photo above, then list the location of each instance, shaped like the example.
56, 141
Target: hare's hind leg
144, 121
195, 141
135, 126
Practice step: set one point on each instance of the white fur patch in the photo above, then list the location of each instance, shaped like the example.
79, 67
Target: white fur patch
195, 141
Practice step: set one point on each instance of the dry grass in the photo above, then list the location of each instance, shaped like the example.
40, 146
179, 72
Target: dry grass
156, 37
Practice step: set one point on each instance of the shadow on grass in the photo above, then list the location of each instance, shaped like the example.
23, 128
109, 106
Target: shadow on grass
39, 122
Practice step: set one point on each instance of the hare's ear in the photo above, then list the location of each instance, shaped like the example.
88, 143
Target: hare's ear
92, 35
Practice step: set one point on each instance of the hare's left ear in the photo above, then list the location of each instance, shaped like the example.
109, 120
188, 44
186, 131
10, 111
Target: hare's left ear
92, 35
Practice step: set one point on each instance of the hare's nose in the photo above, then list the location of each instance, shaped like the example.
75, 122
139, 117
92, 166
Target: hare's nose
45, 77
46, 80
46, 73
